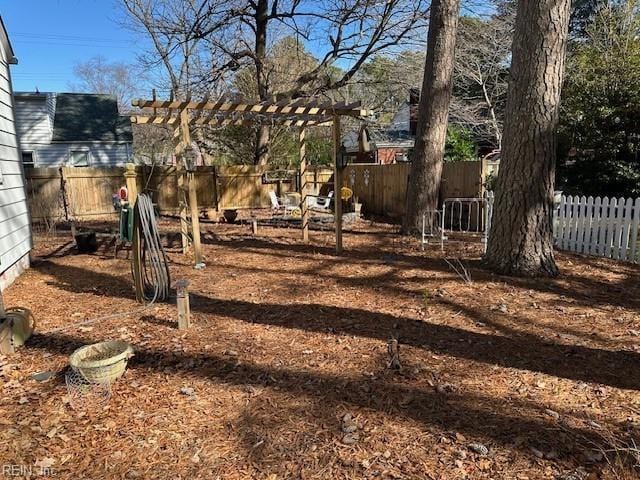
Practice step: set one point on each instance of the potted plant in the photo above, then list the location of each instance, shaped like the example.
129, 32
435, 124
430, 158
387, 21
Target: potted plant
230, 215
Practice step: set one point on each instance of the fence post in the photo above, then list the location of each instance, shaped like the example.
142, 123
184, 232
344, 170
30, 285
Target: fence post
131, 181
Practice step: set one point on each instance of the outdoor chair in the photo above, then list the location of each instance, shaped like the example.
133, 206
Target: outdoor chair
279, 207
317, 202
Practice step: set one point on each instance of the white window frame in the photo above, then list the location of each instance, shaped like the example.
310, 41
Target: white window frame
33, 158
85, 151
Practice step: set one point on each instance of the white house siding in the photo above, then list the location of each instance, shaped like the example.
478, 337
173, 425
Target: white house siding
100, 154
33, 122
15, 233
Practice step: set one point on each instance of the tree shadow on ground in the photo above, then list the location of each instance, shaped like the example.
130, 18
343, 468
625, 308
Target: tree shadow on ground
587, 291
504, 423
518, 350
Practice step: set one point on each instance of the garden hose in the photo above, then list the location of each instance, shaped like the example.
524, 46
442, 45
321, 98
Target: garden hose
149, 264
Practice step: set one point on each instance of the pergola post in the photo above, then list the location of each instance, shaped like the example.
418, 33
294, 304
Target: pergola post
191, 184
180, 172
304, 207
337, 184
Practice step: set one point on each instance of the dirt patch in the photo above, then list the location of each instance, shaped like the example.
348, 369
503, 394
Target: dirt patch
284, 373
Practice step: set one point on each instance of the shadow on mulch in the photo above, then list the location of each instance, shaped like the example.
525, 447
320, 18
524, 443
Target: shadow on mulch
589, 292
517, 350
468, 413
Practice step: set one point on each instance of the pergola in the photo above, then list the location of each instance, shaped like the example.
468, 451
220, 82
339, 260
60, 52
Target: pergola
299, 113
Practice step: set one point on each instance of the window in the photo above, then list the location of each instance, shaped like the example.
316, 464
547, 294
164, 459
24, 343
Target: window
27, 159
79, 158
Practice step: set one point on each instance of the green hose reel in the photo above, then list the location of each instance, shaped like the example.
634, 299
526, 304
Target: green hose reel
126, 223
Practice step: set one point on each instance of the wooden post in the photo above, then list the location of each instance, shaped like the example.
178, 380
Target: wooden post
130, 179
337, 184
193, 198
181, 177
303, 185
184, 310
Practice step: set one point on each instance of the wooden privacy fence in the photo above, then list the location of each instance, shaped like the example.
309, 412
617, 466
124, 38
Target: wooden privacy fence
602, 227
85, 193
382, 189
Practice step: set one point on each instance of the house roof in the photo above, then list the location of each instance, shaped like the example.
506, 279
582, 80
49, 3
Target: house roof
380, 137
82, 117
6, 43
392, 138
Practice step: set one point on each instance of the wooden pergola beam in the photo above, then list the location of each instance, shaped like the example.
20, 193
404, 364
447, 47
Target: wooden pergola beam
228, 121
295, 107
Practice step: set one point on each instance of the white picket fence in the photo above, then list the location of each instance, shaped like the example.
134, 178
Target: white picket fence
598, 226
592, 226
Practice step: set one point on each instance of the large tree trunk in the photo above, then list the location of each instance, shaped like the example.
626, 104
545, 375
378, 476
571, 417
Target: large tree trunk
433, 113
262, 134
521, 237
262, 145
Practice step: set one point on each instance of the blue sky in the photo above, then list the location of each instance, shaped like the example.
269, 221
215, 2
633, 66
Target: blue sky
50, 36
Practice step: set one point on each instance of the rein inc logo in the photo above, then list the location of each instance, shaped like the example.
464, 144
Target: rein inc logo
40, 468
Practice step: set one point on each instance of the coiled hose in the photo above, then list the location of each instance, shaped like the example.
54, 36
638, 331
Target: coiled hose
149, 264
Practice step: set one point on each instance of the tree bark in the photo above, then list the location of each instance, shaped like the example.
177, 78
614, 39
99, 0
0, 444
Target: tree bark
521, 236
263, 131
433, 113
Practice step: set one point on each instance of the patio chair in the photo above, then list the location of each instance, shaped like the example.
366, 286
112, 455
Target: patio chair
317, 202
279, 207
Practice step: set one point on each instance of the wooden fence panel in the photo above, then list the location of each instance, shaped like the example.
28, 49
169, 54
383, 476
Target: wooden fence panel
90, 190
382, 189
462, 180
43, 194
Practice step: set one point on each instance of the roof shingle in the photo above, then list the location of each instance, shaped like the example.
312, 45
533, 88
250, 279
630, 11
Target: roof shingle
82, 117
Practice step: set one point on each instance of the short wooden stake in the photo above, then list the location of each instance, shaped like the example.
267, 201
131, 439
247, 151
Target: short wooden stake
254, 226
184, 311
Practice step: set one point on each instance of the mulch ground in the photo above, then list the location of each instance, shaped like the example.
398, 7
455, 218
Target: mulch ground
284, 373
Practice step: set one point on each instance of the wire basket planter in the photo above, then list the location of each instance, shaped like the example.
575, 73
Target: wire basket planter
93, 369
102, 362
83, 394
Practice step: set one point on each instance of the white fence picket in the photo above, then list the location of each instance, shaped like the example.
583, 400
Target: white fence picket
602, 231
580, 224
568, 208
624, 229
595, 226
635, 224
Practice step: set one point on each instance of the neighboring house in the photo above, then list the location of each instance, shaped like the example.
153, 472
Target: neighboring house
391, 144
15, 227
72, 129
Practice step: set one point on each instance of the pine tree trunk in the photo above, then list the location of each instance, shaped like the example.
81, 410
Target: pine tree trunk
433, 113
521, 237
263, 131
